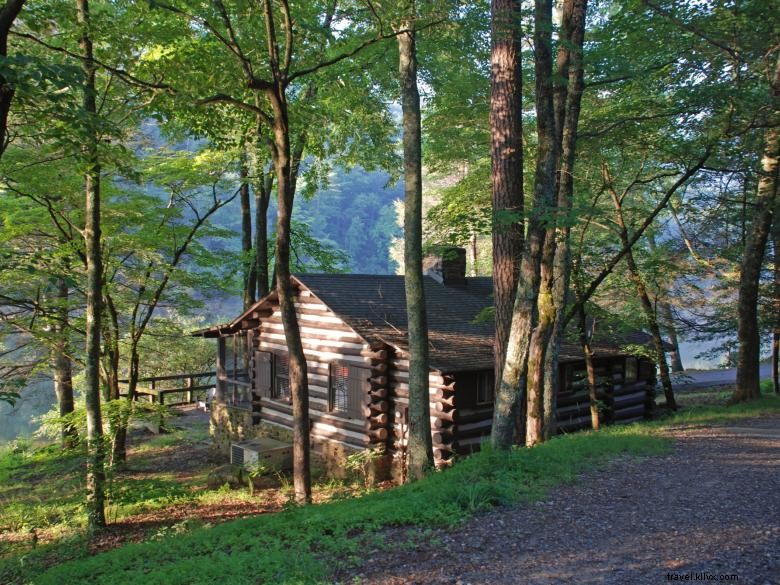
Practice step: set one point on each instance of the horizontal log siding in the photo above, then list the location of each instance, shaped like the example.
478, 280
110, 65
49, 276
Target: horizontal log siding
398, 386
622, 401
326, 339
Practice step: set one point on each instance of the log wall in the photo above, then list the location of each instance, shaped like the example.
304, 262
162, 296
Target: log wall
442, 403
458, 426
621, 401
326, 339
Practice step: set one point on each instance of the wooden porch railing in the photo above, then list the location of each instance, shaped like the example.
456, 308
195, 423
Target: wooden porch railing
194, 386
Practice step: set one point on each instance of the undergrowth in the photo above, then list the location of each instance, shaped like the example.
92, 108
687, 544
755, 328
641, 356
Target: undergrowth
306, 545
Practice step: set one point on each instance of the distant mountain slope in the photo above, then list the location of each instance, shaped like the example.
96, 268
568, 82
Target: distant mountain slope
356, 215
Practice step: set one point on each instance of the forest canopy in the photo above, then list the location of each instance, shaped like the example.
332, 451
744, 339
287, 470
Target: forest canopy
165, 164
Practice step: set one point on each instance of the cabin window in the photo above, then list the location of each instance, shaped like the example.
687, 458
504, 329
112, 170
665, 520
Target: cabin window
347, 388
264, 380
234, 369
235, 364
474, 389
282, 378
631, 370
485, 387
339, 388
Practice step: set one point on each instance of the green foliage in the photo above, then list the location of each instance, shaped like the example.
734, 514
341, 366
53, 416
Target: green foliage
301, 545
464, 209
361, 463
712, 414
355, 214
9, 390
29, 476
168, 348
322, 538
51, 423
644, 351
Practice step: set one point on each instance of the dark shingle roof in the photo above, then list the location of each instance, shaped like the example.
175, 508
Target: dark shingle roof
375, 307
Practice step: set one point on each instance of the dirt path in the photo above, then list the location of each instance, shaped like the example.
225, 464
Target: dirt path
712, 508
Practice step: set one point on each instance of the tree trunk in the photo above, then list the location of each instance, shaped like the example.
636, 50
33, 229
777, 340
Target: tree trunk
472, 251
544, 196
119, 428
660, 206
540, 339
506, 140
262, 191
61, 364
111, 343
551, 382
118, 422
299, 387
420, 448
95, 472
567, 102
8, 14
515, 367
590, 370
748, 376
667, 317
776, 298
655, 330
644, 298
250, 275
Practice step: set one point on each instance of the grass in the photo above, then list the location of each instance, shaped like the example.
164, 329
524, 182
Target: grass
43, 488
306, 545
303, 545
27, 480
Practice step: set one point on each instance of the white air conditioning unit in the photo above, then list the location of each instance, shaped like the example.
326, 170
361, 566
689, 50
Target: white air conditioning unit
269, 452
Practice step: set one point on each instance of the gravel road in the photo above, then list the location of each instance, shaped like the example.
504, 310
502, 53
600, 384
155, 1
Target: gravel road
709, 509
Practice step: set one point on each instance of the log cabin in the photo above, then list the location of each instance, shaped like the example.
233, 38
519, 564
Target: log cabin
354, 336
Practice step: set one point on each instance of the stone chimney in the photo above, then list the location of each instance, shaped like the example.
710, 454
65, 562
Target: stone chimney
446, 265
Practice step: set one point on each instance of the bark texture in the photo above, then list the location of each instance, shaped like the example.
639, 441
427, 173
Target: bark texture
8, 14
299, 388
655, 330
544, 197
667, 317
262, 190
524, 310
748, 378
95, 460
61, 364
420, 448
590, 370
776, 299
506, 142
567, 102
117, 425
250, 267
665, 309
285, 188
644, 297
